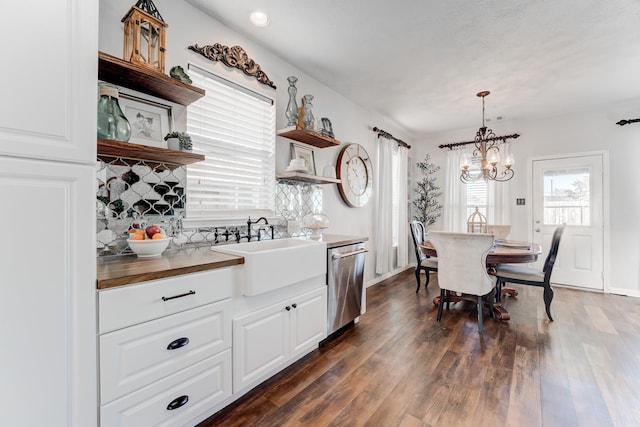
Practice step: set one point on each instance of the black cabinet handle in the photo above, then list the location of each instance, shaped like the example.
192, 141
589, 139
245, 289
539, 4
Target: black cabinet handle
178, 402
180, 342
287, 308
179, 296
294, 305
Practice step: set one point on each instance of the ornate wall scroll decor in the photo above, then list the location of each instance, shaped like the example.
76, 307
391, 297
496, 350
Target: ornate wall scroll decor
235, 57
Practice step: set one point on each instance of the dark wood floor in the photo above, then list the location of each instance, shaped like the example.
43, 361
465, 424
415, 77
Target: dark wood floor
399, 367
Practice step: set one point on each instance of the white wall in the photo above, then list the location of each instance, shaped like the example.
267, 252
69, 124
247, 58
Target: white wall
351, 123
591, 130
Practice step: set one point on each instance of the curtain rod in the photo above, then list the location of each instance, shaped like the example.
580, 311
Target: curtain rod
628, 121
389, 136
495, 138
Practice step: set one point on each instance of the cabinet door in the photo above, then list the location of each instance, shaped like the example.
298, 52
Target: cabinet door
260, 344
48, 307
49, 85
308, 321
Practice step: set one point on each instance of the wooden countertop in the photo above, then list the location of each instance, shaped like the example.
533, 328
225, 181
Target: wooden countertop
128, 269
335, 240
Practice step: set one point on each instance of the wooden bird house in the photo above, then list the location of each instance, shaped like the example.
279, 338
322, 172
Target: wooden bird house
144, 36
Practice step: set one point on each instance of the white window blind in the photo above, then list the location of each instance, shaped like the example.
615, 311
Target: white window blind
234, 128
477, 192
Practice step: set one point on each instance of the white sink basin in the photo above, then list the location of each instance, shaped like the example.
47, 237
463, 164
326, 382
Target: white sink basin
273, 264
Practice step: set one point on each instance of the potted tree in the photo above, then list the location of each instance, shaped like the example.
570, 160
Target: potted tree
178, 141
427, 203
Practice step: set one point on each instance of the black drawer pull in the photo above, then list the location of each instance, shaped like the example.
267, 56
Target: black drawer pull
179, 296
294, 305
180, 342
288, 308
178, 402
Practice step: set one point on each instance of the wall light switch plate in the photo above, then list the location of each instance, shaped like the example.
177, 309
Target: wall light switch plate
520, 202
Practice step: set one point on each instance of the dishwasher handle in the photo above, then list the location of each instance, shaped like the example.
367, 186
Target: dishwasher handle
348, 254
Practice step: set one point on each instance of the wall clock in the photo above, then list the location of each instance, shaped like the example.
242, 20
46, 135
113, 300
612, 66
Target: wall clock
356, 175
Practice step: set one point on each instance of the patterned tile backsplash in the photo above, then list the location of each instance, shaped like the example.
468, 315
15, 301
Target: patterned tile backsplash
138, 193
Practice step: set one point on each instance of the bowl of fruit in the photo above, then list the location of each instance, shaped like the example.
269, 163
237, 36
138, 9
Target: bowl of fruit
150, 242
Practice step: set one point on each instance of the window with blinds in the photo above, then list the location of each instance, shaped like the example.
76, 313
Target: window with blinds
234, 128
477, 192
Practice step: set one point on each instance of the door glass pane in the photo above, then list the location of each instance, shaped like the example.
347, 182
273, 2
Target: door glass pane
567, 197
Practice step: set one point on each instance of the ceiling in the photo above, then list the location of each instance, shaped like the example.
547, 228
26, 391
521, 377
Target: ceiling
421, 62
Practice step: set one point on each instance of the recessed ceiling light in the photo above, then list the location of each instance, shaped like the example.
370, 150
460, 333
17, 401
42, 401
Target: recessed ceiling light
259, 18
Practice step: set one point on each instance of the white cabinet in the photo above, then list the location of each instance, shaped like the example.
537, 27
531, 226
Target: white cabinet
268, 339
165, 350
47, 257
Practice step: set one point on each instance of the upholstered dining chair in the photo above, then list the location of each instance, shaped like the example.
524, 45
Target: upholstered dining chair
423, 262
499, 231
462, 267
511, 273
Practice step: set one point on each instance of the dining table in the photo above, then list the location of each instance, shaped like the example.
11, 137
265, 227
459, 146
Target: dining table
502, 252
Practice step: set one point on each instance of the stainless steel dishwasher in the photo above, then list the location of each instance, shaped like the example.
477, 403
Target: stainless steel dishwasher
345, 279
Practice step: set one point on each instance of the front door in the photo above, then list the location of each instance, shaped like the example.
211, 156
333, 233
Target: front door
569, 190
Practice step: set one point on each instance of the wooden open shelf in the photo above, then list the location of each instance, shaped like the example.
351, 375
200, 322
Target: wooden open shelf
305, 177
110, 148
310, 137
137, 77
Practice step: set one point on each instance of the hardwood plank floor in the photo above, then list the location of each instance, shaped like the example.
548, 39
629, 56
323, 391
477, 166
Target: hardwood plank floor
399, 367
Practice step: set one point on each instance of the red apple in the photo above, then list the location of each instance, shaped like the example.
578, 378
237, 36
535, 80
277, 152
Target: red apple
151, 230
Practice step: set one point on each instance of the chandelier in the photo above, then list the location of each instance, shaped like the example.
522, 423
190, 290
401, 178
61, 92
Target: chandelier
488, 151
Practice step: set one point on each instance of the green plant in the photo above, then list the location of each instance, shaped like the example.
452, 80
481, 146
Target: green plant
183, 137
427, 203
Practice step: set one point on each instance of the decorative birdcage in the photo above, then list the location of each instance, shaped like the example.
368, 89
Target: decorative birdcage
477, 222
144, 36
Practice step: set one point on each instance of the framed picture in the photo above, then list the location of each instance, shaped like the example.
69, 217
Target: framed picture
327, 129
150, 121
306, 154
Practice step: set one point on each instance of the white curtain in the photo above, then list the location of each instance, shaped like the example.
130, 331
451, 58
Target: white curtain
454, 213
384, 207
403, 228
498, 197
498, 209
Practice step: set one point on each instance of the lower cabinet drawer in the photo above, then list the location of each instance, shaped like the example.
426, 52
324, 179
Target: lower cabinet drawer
187, 396
134, 357
129, 305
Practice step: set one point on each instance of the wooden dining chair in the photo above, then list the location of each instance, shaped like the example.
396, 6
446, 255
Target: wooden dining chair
462, 267
511, 273
423, 262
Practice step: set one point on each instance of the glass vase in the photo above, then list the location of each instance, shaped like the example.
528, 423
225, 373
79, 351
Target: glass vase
292, 107
308, 118
112, 123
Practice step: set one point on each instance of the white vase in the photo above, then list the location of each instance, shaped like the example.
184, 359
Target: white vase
329, 171
173, 144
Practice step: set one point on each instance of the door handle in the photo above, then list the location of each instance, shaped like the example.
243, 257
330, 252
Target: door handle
537, 230
537, 221
348, 254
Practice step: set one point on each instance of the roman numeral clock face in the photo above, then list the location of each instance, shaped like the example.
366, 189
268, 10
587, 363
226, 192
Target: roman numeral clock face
356, 175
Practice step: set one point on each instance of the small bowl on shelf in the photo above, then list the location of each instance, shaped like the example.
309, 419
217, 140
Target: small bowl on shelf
148, 248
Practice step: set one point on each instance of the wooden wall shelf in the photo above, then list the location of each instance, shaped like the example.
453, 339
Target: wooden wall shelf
305, 177
310, 137
110, 148
122, 73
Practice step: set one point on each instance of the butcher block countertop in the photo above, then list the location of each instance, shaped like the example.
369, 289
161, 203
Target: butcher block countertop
128, 269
